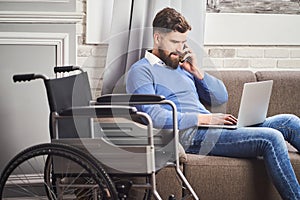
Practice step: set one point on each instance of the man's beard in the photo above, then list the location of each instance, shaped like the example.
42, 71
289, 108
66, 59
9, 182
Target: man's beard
173, 63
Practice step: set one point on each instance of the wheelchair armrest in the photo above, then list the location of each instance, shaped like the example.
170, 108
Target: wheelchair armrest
128, 99
62, 69
98, 111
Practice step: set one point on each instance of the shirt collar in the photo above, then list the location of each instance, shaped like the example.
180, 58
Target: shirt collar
153, 59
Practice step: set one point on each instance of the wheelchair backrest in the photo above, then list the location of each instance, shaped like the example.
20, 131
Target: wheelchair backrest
65, 93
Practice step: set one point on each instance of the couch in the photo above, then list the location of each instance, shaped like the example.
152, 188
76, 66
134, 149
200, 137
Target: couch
215, 178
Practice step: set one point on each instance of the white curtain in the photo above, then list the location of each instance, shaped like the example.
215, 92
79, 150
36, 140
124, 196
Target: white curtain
131, 33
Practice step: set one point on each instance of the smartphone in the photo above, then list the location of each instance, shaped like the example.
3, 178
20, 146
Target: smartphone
185, 56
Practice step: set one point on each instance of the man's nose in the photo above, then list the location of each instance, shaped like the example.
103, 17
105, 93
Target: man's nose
179, 47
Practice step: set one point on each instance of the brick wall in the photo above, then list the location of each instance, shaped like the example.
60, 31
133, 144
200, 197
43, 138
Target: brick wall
92, 57
252, 57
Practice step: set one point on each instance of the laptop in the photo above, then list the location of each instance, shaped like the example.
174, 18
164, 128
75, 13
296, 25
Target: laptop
253, 107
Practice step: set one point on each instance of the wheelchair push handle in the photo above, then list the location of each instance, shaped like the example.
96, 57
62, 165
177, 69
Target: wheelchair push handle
62, 69
27, 77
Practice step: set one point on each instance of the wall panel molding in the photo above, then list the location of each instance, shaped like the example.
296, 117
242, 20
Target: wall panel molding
35, 1
59, 40
40, 17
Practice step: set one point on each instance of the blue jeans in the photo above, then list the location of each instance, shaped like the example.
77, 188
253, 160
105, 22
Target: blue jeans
266, 140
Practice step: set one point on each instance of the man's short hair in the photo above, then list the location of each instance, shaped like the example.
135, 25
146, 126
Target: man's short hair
168, 20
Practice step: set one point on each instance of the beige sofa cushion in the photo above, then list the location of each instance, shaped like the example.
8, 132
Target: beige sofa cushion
214, 178
286, 91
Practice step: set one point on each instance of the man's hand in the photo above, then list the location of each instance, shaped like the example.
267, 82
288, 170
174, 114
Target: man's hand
216, 118
190, 64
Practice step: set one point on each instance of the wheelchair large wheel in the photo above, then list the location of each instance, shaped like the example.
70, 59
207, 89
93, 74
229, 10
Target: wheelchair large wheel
55, 171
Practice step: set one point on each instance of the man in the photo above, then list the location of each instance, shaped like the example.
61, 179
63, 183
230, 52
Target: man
163, 71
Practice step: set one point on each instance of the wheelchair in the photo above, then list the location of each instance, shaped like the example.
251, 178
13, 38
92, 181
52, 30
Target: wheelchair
101, 149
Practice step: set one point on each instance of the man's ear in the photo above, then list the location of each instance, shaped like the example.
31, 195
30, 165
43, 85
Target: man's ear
156, 37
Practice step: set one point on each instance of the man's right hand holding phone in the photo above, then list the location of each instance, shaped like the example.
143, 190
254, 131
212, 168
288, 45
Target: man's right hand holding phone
188, 62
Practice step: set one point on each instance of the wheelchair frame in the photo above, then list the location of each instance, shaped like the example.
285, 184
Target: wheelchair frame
106, 106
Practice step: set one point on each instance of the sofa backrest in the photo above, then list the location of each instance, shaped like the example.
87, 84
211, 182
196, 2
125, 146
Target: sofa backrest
285, 96
234, 81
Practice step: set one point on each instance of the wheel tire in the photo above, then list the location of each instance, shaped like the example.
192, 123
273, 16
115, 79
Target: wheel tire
55, 171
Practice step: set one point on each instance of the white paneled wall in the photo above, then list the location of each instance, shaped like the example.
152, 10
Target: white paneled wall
35, 36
